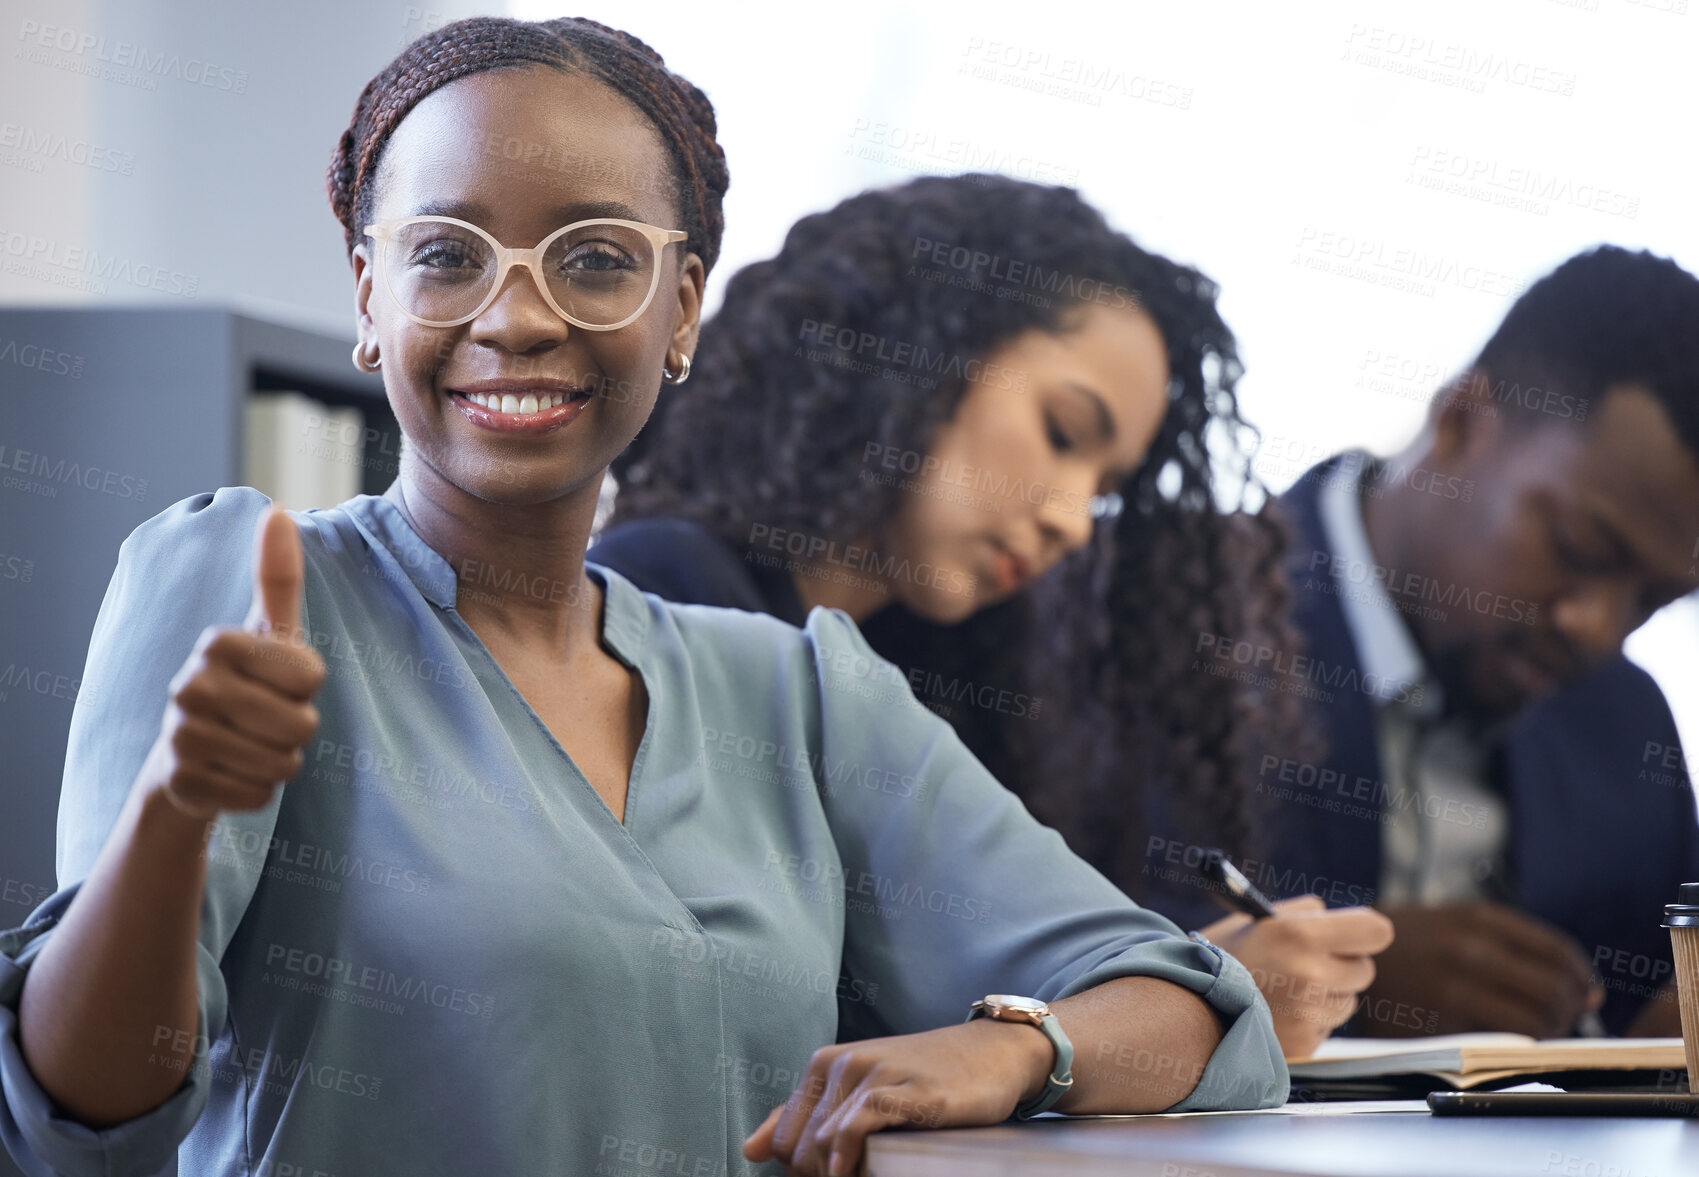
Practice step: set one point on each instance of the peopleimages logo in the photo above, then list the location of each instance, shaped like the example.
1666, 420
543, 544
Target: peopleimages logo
1019, 273
993, 483
1449, 62
1483, 177
126, 55
810, 552
1407, 588
43, 144
37, 257
46, 360
1034, 68
48, 471
867, 347
1173, 860
1287, 665
1320, 787
811, 765
1396, 265
892, 892
382, 982
917, 149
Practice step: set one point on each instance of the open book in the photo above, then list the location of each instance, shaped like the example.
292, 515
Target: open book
1470, 1060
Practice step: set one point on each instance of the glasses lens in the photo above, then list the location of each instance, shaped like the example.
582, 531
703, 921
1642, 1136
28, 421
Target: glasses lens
439, 271
600, 273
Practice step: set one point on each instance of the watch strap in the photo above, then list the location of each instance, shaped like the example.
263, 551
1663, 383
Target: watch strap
1061, 1076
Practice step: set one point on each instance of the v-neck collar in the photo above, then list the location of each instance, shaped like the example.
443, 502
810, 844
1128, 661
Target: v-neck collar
624, 632
625, 614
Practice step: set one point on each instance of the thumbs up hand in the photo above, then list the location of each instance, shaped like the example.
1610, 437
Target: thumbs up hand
241, 707
278, 574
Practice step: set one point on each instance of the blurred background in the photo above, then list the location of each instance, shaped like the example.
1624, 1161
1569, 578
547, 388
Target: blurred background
1370, 183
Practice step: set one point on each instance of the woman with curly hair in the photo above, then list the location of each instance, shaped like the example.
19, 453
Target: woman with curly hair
996, 433
523, 903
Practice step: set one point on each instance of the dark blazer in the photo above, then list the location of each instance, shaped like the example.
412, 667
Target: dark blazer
1601, 833
682, 561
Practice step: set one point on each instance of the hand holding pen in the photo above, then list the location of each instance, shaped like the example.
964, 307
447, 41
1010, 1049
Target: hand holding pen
1310, 963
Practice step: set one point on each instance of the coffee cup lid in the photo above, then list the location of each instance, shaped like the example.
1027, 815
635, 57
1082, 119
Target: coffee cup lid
1684, 912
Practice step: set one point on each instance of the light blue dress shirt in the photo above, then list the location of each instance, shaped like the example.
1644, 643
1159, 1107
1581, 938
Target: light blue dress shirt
437, 951
1444, 828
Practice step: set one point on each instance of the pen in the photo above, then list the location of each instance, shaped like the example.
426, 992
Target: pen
1236, 891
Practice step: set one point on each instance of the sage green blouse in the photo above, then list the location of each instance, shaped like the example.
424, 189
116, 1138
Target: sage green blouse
437, 952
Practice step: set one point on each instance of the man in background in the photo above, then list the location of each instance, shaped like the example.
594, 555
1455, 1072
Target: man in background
1509, 788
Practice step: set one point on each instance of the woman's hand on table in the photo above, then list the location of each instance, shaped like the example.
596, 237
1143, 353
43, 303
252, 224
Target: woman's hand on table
240, 709
957, 1076
1310, 963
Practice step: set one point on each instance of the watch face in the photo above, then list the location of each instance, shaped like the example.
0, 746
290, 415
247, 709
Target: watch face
1009, 1001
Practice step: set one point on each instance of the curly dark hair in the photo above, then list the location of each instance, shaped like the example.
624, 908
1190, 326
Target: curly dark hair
680, 112
1101, 649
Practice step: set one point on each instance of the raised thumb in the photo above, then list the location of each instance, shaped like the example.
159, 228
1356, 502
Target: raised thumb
279, 570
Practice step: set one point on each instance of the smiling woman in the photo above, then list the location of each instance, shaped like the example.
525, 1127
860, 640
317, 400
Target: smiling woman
560, 878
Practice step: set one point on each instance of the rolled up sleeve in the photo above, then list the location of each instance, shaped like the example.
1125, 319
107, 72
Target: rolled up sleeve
953, 890
40, 1139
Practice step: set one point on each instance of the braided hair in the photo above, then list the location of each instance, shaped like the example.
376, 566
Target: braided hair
680, 112
1097, 656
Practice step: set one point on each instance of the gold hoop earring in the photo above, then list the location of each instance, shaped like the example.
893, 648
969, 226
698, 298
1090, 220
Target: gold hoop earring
360, 360
680, 376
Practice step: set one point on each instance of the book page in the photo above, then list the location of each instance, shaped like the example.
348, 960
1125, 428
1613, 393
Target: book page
1580, 1044
1338, 1048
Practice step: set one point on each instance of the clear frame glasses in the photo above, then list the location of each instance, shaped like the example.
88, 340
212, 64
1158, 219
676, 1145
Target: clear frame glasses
598, 275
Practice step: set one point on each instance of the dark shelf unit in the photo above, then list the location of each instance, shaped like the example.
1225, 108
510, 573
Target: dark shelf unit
95, 403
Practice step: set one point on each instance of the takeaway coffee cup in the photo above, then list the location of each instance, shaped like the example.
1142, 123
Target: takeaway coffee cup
1682, 919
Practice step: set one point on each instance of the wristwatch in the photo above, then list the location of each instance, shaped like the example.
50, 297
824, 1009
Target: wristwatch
1007, 1008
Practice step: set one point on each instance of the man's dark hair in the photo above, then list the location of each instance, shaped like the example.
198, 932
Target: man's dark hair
1604, 319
